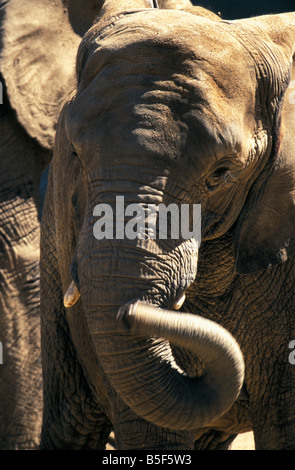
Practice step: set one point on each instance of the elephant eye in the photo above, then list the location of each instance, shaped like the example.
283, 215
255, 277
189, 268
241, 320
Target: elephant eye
220, 176
75, 153
73, 150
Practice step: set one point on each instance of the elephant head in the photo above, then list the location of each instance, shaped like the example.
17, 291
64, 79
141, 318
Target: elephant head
170, 108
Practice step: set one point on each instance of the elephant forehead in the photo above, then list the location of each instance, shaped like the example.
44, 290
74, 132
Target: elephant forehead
158, 120
149, 89
167, 39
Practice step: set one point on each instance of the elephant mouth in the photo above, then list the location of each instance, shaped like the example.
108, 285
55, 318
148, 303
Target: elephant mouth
72, 295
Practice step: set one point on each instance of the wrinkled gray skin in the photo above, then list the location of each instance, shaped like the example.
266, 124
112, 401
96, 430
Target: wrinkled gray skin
35, 87
171, 107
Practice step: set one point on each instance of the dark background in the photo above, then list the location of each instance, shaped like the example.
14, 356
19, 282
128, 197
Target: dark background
229, 10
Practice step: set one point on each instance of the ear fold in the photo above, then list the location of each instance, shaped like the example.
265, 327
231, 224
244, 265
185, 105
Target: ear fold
264, 235
38, 42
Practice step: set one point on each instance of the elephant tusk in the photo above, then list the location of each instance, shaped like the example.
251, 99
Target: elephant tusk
72, 295
179, 303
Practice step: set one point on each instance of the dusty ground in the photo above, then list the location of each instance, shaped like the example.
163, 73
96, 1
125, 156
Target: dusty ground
244, 442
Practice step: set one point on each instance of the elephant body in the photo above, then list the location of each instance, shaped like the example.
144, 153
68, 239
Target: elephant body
164, 114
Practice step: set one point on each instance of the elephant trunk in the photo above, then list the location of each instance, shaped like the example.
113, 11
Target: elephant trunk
194, 402
132, 342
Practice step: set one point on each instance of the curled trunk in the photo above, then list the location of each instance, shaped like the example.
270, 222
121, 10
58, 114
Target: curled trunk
138, 361
177, 401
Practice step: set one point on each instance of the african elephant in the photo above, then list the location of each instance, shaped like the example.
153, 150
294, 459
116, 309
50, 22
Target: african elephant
36, 80
172, 108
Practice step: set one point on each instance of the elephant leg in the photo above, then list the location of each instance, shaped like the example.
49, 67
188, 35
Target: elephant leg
214, 440
132, 432
75, 428
273, 413
72, 417
20, 373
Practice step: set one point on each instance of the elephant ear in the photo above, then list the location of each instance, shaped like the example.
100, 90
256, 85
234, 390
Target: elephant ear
38, 44
264, 235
